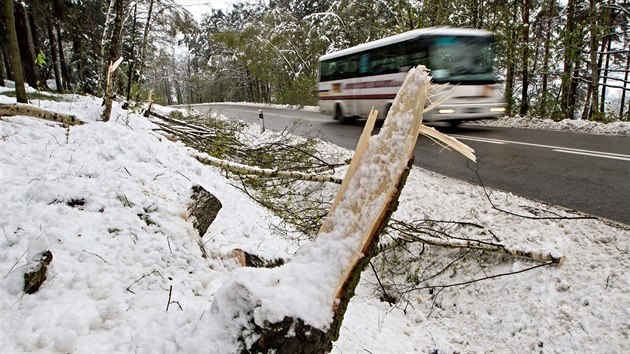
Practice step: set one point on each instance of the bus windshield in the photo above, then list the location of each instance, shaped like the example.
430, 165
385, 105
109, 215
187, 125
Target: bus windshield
462, 59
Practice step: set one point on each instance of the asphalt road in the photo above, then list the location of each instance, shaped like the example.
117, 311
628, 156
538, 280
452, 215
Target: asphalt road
589, 173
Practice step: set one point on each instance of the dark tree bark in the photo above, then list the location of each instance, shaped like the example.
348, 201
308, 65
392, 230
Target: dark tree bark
20, 90
132, 54
59, 18
525, 63
25, 43
623, 93
572, 41
547, 57
114, 52
1, 70
6, 58
143, 56
55, 57
593, 56
509, 75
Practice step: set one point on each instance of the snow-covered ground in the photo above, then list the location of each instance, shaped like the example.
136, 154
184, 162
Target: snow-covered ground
109, 201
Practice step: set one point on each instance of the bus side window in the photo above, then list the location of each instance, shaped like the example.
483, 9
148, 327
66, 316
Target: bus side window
418, 52
364, 63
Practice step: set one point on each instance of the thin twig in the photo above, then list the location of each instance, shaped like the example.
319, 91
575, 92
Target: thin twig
96, 256
481, 279
142, 277
170, 291
386, 296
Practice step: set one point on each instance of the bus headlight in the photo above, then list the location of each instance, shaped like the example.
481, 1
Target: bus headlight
446, 111
497, 109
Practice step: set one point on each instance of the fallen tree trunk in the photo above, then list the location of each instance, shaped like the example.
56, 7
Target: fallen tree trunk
20, 109
299, 307
265, 172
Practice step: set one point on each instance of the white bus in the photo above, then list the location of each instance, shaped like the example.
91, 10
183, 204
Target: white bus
354, 80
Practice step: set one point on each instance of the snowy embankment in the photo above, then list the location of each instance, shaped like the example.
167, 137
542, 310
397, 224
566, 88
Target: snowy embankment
109, 201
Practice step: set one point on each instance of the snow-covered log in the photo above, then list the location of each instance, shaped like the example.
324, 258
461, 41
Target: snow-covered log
264, 172
299, 307
21, 109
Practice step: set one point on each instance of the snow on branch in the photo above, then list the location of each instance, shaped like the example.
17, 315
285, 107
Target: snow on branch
264, 172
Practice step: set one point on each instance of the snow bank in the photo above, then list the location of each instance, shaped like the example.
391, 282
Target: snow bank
577, 126
109, 201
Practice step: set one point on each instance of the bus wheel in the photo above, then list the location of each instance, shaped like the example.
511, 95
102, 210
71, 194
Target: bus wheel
454, 123
338, 115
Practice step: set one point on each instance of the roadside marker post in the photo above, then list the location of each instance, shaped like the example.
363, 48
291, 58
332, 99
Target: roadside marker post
261, 119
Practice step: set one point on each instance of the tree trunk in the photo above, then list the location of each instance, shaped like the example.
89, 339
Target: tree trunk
55, 57
568, 61
40, 72
1, 69
25, 43
623, 92
59, 18
143, 56
37, 112
6, 57
547, 57
509, 75
525, 64
104, 39
593, 55
132, 54
602, 104
20, 90
114, 52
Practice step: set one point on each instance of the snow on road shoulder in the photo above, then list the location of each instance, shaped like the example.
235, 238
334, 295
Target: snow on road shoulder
568, 125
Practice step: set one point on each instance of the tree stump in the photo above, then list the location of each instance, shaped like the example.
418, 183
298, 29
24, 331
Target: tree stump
204, 207
299, 306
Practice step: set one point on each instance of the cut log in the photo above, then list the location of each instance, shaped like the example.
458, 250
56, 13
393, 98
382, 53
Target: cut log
204, 207
20, 109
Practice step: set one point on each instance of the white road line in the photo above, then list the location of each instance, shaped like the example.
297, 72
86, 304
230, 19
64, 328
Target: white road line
593, 154
602, 154
482, 140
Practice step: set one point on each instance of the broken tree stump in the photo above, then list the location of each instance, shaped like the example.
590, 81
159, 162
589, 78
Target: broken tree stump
299, 307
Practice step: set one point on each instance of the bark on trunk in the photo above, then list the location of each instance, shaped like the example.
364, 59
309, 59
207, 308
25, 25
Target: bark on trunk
593, 55
357, 216
59, 18
114, 51
36, 112
132, 54
143, 56
525, 77
20, 89
55, 57
623, 92
1, 69
25, 43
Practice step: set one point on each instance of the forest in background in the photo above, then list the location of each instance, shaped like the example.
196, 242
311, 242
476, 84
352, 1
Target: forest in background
557, 59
